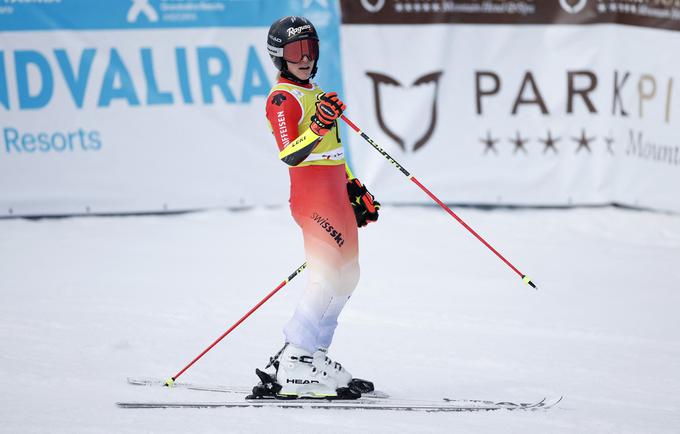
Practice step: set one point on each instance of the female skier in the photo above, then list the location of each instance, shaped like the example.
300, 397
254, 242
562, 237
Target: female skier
303, 120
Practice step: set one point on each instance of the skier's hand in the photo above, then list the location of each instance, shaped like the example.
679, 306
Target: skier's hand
363, 203
328, 108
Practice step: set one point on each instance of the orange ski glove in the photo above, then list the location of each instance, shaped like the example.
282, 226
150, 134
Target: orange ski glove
328, 108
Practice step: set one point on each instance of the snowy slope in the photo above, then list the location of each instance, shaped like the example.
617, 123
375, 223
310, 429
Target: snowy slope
86, 302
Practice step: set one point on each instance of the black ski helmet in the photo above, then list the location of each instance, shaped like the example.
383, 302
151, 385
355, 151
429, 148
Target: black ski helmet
284, 31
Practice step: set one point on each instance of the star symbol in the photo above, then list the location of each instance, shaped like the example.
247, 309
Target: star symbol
519, 143
436, 7
489, 142
583, 141
399, 7
610, 141
550, 143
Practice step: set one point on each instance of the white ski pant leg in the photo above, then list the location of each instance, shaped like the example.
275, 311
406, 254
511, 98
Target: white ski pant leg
316, 317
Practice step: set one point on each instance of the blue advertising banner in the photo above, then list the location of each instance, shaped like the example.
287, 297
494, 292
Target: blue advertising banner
34, 15
143, 105
151, 14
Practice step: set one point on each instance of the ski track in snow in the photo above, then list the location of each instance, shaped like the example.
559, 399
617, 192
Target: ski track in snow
87, 302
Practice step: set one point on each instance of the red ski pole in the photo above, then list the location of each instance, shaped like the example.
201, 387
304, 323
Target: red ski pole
170, 381
401, 168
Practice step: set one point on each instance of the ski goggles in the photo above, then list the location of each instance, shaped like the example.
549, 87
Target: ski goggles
293, 52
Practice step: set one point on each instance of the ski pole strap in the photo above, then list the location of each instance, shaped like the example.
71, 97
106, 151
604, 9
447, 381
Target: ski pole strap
348, 171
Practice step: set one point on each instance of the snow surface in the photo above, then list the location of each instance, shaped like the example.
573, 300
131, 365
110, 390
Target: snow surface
87, 302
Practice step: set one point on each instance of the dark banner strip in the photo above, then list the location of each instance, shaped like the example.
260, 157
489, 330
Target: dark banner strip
659, 14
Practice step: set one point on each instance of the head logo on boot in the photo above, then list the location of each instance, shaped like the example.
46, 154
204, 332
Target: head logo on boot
299, 381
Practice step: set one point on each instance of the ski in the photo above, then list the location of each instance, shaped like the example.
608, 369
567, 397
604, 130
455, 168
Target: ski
359, 404
376, 400
221, 389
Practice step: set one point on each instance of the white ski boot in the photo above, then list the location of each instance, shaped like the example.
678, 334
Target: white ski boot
334, 369
299, 377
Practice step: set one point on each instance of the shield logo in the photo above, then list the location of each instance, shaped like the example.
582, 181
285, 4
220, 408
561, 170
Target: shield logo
394, 101
573, 6
373, 7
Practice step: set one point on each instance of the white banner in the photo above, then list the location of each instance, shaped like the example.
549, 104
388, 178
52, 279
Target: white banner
517, 114
154, 105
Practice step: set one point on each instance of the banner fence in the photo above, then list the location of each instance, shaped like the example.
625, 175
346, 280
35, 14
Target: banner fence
158, 105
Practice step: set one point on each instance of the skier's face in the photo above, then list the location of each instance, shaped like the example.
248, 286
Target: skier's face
303, 69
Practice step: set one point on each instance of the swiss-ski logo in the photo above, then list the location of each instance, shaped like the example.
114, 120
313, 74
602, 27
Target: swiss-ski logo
325, 224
